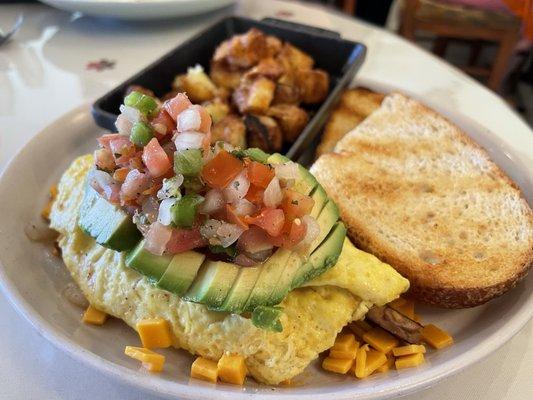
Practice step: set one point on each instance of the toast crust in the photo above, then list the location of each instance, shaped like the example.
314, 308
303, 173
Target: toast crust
445, 269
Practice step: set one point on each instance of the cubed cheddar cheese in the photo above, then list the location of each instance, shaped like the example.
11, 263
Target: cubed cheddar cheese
154, 333
380, 340
232, 369
345, 347
412, 360
374, 360
358, 368
94, 316
337, 365
387, 366
409, 349
436, 337
360, 327
204, 369
151, 360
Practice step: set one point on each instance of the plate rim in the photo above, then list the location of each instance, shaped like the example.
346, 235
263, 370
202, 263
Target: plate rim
158, 386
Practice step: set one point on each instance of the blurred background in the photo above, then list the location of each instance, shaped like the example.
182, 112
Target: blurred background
491, 40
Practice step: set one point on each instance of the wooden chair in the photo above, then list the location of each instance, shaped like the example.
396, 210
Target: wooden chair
477, 26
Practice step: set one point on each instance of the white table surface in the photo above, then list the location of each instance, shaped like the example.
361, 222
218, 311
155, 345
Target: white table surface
43, 73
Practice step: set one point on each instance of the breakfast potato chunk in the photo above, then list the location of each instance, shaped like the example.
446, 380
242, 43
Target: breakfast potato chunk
254, 97
268, 68
293, 58
274, 45
243, 51
263, 132
223, 76
291, 119
313, 84
217, 109
196, 84
230, 129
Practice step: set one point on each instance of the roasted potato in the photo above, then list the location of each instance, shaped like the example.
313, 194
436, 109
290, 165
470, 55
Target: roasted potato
196, 84
291, 119
313, 85
273, 45
217, 109
293, 58
223, 76
243, 51
286, 90
267, 67
255, 96
263, 132
230, 129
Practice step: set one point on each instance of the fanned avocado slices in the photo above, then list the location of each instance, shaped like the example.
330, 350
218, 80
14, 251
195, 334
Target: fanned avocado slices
224, 286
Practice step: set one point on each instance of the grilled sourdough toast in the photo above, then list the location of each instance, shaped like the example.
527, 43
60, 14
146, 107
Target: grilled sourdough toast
418, 193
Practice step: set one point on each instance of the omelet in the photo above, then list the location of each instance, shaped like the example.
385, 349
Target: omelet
312, 316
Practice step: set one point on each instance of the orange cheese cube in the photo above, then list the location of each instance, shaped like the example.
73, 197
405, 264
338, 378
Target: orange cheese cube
93, 316
409, 349
154, 333
345, 347
232, 369
403, 306
360, 327
436, 337
337, 365
45, 212
387, 366
374, 360
380, 340
358, 368
204, 369
412, 360
151, 360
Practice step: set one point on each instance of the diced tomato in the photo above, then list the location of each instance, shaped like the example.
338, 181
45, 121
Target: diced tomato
293, 232
135, 183
184, 239
233, 218
105, 139
176, 105
157, 238
205, 125
221, 170
269, 219
259, 174
155, 158
120, 174
123, 150
254, 194
296, 205
136, 161
164, 119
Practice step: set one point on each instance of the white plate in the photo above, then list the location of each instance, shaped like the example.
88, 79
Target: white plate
140, 9
33, 280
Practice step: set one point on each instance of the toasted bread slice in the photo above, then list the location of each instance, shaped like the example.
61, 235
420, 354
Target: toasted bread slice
354, 106
418, 193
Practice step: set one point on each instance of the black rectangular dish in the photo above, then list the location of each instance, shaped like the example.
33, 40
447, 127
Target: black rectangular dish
340, 58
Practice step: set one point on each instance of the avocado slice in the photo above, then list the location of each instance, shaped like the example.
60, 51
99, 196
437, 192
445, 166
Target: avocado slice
181, 272
267, 318
270, 273
150, 265
324, 257
241, 289
212, 284
326, 220
320, 197
107, 223
306, 182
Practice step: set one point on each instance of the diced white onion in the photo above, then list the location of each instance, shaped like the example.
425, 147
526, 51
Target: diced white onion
165, 216
131, 114
220, 145
189, 120
244, 207
150, 208
209, 231
171, 187
228, 234
157, 238
123, 125
213, 202
273, 195
237, 188
189, 140
287, 173
160, 128
312, 230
